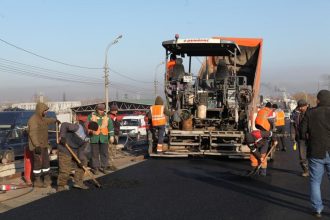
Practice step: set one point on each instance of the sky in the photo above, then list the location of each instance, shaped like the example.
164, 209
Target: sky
46, 47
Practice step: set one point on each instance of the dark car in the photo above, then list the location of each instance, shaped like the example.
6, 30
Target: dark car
13, 131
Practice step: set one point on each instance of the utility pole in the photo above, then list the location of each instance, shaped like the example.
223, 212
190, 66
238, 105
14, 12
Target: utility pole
106, 72
155, 87
155, 78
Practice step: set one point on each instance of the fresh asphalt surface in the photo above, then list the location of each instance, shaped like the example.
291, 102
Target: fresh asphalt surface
195, 188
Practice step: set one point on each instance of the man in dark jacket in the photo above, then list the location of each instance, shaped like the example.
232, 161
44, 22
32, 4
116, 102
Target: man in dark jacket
315, 128
297, 117
75, 136
38, 145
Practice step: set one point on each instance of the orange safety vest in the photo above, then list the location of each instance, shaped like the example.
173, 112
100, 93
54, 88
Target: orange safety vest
103, 129
262, 118
170, 64
280, 118
157, 115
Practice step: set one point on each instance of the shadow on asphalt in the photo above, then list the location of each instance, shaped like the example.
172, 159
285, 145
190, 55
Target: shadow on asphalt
257, 187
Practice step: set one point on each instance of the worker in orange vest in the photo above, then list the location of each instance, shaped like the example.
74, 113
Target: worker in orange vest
279, 124
263, 122
265, 118
157, 116
100, 139
169, 66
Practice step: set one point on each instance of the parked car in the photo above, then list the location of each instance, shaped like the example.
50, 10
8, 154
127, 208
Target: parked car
133, 126
13, 131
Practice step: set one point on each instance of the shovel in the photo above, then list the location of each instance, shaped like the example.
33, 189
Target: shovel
82, 166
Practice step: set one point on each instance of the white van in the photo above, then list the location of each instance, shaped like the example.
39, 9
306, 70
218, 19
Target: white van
134, 126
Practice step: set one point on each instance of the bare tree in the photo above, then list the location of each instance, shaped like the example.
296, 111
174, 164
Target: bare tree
310, 98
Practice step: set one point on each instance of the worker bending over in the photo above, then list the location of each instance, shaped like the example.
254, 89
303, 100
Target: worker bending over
74, 136
264, 123
257, 141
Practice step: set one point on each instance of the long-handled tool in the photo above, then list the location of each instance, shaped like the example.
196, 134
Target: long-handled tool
255, 171
82, 166
57, 133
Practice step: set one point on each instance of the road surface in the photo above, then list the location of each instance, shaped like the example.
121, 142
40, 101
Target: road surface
195, 188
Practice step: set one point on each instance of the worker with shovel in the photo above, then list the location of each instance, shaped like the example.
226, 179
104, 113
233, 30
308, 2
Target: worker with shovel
74, 142
257, 141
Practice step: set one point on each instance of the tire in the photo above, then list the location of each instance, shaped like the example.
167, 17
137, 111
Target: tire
8, 156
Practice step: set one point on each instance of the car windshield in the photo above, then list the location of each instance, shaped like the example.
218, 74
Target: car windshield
8, 118
130, 122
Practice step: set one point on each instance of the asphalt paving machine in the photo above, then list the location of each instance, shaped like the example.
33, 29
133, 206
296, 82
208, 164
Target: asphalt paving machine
211, 110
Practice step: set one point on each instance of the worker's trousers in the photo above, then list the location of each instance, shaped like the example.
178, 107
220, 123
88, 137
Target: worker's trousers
263, 151
100, 155
41, 163
66, 164
302, 147
316, 171
161, 133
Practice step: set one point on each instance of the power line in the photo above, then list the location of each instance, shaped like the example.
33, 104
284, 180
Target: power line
127, 77
72, 65
22, 72
52, 60
37, 75
44, 70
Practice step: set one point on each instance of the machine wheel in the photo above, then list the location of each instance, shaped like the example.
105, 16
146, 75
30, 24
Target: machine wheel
8, 156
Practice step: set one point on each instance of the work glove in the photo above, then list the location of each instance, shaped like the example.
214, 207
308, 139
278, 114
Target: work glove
37, 150
255, 152
112, 139
63, 141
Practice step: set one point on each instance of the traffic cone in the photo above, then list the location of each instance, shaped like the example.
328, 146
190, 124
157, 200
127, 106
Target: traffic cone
159, 148
7, 187
27, 165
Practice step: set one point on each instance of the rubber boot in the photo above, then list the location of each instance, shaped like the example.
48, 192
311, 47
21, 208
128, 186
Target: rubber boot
62, 188
47, 180
112, 168
80, 185
38, 183
263, 172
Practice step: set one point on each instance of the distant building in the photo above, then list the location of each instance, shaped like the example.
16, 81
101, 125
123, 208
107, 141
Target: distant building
58, 107
62, 109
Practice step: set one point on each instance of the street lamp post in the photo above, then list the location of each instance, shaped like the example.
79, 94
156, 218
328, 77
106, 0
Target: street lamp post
106, 72
155, 78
